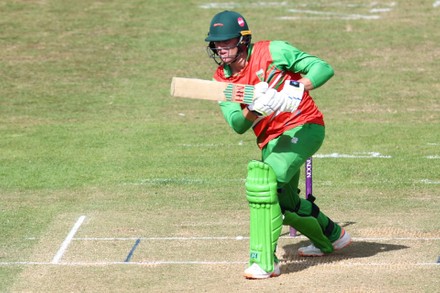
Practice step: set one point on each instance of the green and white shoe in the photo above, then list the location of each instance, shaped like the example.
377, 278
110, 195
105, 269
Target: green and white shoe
311, 250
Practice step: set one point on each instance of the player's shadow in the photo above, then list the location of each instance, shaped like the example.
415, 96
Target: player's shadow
342, 224
358, 249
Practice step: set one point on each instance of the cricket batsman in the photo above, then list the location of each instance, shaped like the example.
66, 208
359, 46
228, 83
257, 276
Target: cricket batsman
289, 128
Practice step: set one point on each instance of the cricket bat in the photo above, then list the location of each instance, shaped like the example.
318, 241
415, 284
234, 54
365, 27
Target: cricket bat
194, 88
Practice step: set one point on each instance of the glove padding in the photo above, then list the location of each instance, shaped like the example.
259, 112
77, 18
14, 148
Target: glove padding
268, 100
265, 101
292, 95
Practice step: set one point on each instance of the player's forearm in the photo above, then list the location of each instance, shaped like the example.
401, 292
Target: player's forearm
318, 74
236, 117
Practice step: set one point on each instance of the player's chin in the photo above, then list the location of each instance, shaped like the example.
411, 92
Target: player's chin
227, 59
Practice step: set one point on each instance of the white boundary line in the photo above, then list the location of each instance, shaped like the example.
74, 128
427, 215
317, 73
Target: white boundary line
67, 241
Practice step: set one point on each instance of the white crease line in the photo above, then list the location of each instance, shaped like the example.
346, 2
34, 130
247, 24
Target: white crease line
380, 10
155, 263
359, 264
334, 14
427, 181
239, 238
67, 241
361, 155
433, 157
107, 263
396, 239
242, 180
159, 238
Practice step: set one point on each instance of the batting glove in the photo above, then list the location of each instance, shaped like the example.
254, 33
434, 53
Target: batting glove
291, 96
260, 89
265, 100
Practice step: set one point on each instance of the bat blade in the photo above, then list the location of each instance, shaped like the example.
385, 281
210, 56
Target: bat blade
194, 88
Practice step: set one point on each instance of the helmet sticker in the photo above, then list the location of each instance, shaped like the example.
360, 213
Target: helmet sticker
217, 24
241, 22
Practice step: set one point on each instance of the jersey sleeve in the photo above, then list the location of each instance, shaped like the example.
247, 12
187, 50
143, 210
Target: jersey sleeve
287, 57
234, 116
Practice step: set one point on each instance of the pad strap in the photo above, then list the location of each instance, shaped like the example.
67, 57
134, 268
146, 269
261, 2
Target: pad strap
329, 229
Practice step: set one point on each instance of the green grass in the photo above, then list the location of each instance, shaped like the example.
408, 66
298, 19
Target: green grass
88, 127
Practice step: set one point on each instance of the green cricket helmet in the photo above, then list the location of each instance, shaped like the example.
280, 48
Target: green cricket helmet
224, 26
227, 25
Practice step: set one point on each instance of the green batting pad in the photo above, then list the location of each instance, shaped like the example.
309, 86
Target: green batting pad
309, 227
265, 214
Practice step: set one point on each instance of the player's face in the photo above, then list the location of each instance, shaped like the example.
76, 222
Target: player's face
227, 50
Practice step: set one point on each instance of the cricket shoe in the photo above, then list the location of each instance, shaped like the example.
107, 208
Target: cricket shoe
256, 272
311, 250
